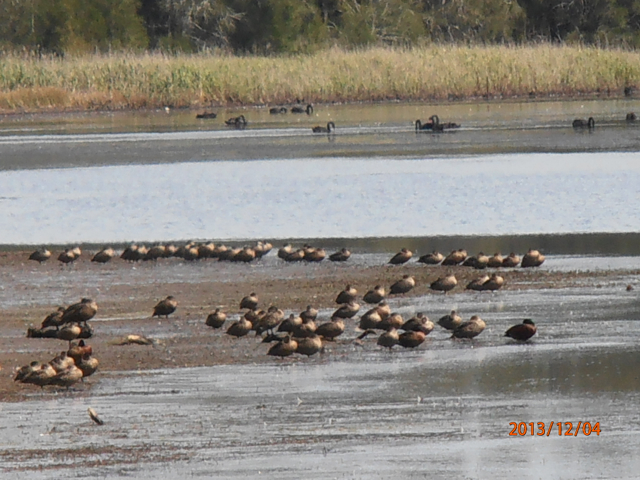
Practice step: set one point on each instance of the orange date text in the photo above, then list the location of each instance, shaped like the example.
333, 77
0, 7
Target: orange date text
566, 429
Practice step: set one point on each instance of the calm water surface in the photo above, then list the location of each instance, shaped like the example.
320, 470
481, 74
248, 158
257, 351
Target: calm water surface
510, 169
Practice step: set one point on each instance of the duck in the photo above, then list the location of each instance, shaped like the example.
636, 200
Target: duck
470, 329
41, 376
394, 320
156, 252
419, 323
495, 282
389, 339
270, 320
450, 321
239, 328
477, 283
375, 295
306, 329
41, 255
456, 257
631, 117
296, 256
77, 351
87, 365
383, 309
523, 331
67, 257
245, 255
315, 255
104, 255
433, 258
402, 286
330, 330
25, 371
340, 256
169, 250
238, 122
511, 260
249, 302
80, 312
54, 319
284, 348
309, 313
69, 332
61, 362
403, 256
277, 110
478, 262
206, 115
581, 123
328, 129
533, 258
66, 378
371, 320
216, 319
347, 295
347, 310
289, 324
495, 261
444, 284
309, 345
308, 109
411, 339
130, 253
285, 251
165, 307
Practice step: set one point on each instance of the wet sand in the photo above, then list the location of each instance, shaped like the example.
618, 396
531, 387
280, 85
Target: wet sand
126, 294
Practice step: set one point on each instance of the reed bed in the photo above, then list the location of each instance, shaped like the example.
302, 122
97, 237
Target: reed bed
433, 73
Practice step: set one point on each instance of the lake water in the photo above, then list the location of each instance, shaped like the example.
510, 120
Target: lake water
515, 175
511, 169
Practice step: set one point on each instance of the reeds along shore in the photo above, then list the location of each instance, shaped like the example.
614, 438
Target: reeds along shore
430, 73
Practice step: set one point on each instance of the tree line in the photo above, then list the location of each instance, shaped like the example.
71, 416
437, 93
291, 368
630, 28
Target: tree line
293, 26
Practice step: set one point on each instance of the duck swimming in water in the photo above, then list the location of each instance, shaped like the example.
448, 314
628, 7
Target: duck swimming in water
328, 129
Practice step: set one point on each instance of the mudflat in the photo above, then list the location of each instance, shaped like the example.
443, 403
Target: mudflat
127, 292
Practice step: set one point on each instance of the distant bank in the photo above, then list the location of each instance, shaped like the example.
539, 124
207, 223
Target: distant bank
431, 74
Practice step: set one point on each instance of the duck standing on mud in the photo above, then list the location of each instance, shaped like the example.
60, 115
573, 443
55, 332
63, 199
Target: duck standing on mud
165, 307
523, 331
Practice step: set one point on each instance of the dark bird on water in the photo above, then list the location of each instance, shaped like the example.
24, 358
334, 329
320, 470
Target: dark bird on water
308, 109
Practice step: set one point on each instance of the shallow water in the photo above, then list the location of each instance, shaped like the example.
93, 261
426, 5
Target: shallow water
441, 411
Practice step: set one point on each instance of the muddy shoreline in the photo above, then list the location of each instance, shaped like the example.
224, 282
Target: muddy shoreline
126, 294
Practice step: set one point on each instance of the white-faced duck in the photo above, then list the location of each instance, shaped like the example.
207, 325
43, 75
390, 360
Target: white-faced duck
403, 256
165, 307
40, 255
340, 256
470, 329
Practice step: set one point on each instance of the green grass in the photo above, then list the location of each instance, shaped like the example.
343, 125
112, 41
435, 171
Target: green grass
431, 73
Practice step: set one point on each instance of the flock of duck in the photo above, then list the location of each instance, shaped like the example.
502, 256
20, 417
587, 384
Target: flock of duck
72, 365
297, 333
208, 250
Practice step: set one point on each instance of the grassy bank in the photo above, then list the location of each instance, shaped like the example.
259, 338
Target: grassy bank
121, 81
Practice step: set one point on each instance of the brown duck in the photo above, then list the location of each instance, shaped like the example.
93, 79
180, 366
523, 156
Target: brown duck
523, 331
239, 328
456, 257
80, 312
411, 339
451, 321
403, 285
419, 323
495, 261
389, 339
331, 330
533, 258
470, 329
309, 345
104, 255
249, 302
376, 295
347, 295
216, 319
284, 348
444, 284
403, 256
165, 307
433, 258
41, 255
340, 256
510, 261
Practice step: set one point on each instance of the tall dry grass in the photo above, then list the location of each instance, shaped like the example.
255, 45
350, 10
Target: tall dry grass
426, 73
